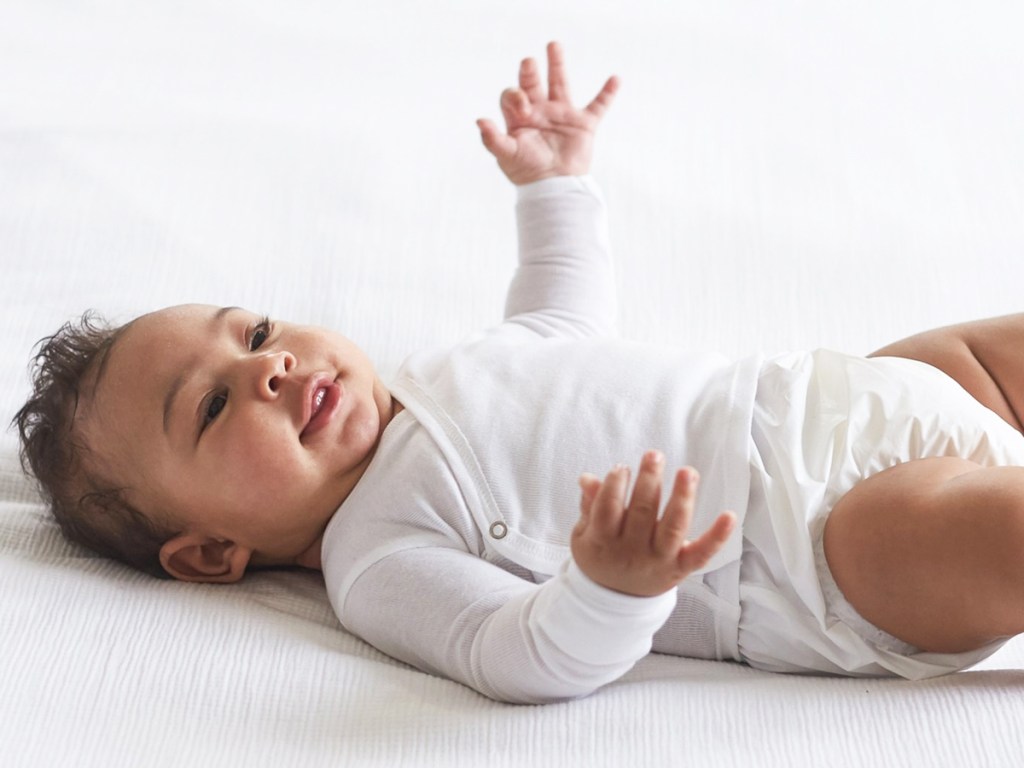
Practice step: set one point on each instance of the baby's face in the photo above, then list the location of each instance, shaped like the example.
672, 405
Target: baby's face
239, 429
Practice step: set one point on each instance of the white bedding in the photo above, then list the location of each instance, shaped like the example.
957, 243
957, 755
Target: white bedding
783, 175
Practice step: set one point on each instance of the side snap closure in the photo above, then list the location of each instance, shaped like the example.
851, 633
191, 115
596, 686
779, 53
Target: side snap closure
498, 530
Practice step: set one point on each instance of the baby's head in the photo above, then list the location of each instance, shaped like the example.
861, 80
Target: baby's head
198, 441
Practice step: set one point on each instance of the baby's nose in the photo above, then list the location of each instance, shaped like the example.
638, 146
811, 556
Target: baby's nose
277, 367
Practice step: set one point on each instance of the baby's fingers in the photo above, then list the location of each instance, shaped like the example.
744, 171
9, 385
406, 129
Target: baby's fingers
589, 486
694, 555
515, 108
645, 501
607, 509
529, 80
499, 144
604, 99
558, 84
675, 522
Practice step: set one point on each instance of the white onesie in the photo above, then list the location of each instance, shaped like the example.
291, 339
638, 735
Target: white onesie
452, 554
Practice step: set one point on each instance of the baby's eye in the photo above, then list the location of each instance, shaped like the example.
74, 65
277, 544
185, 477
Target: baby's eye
259, 334
214, 407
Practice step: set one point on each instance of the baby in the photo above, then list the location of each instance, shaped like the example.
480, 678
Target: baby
877, 505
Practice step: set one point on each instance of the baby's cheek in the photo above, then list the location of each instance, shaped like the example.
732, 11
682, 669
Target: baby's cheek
260, 462
362, 429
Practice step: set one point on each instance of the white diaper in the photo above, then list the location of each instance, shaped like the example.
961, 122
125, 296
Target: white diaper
823, 421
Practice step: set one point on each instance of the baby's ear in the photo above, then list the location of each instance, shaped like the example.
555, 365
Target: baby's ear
194, 557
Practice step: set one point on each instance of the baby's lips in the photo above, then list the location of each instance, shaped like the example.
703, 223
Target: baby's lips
320, 400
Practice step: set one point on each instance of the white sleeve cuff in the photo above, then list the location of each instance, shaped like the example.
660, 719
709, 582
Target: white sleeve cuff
557, 185
597, 625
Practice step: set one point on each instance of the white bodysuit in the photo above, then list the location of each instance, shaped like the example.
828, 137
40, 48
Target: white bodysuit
452, 555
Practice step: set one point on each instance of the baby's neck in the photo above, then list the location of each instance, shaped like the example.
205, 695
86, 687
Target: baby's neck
311, 557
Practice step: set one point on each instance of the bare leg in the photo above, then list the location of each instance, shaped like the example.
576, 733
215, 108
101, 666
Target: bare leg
983, 357
932, 551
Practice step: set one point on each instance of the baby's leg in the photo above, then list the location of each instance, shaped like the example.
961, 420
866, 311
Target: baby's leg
982, 356
932, 551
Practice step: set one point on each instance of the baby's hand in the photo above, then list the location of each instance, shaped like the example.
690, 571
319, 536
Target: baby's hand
628, 548
546, 136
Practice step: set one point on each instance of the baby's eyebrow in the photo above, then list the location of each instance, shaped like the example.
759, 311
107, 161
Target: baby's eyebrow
169, 400
179, 380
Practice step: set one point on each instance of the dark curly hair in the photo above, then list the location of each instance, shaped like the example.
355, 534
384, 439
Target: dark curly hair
91, 509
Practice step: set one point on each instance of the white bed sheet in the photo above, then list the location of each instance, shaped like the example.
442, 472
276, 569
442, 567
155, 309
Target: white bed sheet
779, 176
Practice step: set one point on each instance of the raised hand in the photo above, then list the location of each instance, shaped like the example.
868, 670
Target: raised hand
630, 549
545, 134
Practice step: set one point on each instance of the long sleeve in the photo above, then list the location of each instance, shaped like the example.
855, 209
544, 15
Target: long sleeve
433, 557
450, 613
564, 284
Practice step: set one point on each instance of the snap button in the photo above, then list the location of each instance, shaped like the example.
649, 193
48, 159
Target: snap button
498, 530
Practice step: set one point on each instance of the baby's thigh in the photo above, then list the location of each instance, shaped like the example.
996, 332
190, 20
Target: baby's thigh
932, 552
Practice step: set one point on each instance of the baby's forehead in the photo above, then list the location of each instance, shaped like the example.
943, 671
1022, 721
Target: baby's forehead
121, 405
182, 313
177, 322
148, 351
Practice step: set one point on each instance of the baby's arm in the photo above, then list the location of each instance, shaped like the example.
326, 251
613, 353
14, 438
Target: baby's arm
447, 611
564, 285
450, 612
986, 357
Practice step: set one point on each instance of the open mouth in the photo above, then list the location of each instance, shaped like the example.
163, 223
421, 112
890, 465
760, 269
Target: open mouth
323, 403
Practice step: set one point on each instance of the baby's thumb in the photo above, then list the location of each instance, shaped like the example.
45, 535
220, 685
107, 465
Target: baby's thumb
498, 144
694, 555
